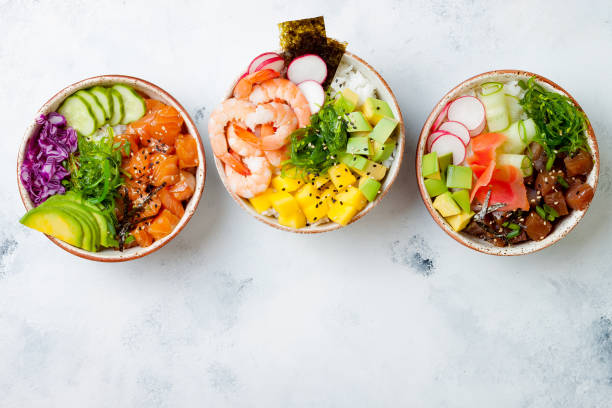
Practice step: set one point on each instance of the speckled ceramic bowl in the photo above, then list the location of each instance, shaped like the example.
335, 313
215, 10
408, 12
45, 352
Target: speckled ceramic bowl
152, 91
561, 229
384, 93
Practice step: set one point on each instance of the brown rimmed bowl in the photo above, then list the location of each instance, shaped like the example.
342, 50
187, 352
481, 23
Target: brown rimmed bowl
562, 228
150, 91
385, 93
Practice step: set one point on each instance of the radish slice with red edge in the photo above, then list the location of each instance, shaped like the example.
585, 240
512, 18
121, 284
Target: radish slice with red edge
314, 94
433, 136
259, 59
469, 111
458, 129
274, 63
441, 118
450, 144
309, 67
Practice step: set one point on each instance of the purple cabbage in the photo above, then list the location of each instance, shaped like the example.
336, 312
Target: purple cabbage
42, 171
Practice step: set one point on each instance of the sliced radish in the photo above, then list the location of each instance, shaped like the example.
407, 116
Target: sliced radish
314, 93
458, 129
441, 118
450, 144
469, 111
308, 67
259, 59
274, 63
433, 136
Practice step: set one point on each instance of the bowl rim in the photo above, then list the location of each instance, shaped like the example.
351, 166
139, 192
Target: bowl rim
457, 236
193, 131
329, 226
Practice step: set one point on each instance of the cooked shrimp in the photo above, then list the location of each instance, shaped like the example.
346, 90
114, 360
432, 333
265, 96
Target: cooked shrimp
257, 182
284, 90
244, 87
280, 116
230, 110
275, 157
238, 144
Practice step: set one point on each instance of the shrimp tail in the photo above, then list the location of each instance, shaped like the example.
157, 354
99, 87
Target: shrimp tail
244, 87
235, 163
247, 136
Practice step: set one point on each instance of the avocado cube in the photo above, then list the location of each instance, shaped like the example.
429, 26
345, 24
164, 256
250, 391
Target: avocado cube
375, 170
435, 187
346, 102
430, 167
381, 152
357, 123
444, 161
462, 197
460, 221
358, 145
459, 177
341, 176
375, 109
354, 161
383, 129
369, 187
261, 202
445, 205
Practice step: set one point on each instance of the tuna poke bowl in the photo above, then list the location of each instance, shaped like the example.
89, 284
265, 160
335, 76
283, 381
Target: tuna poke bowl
507, 163
309, 138
111, 169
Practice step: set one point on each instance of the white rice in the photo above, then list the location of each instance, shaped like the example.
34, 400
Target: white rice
348, 77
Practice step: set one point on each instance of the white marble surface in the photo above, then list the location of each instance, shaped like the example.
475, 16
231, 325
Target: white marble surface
387, 312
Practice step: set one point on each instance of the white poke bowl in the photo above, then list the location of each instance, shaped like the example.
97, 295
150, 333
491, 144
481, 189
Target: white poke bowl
383, 92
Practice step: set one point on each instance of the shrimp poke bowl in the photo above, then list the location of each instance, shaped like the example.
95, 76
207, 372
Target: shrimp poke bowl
111, 169
310, 138
507, 163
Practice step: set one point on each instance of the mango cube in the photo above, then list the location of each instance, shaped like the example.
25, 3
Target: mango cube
287, 184
261, 202
316, 211
353, 197
318, 181
295, 221
341, 213
341, 176
327, 194
284, 203
306, 196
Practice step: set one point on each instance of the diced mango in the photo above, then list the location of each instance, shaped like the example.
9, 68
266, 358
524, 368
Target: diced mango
327, 194
262, 201
353, 197
341, 213
341, 176
375, 170
287, 184
296, 220
306, 196
316, 211
318, 181
284, 203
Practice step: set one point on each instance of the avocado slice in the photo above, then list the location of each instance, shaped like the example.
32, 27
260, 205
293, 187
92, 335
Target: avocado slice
376, 109
55, 222
357, 123
430, 169
383, 129
369, 187
346, 102
381, 152
359, 145
91, 231
459, 177
105, 224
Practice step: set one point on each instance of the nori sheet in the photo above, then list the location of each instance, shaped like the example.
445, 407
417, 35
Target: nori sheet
307, 36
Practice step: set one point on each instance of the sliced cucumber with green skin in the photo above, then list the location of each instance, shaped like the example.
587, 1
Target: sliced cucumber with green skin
133, 103
78, 115
118, 109
95, 105
103, 95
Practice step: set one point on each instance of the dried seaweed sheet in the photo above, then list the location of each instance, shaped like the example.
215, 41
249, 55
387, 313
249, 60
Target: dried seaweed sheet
307, 36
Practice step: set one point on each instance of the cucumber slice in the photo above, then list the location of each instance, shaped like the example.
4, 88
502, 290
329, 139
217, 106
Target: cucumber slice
78, 115
103, 95
118, 109
95, 105
133, 103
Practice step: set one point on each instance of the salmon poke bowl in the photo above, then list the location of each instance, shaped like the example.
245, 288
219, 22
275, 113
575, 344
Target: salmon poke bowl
507, 163
309, 138
111, 168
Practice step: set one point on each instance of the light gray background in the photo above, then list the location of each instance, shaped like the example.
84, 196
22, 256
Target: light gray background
386, 312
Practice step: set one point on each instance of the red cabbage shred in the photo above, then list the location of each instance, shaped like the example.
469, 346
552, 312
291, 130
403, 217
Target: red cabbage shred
42, 171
